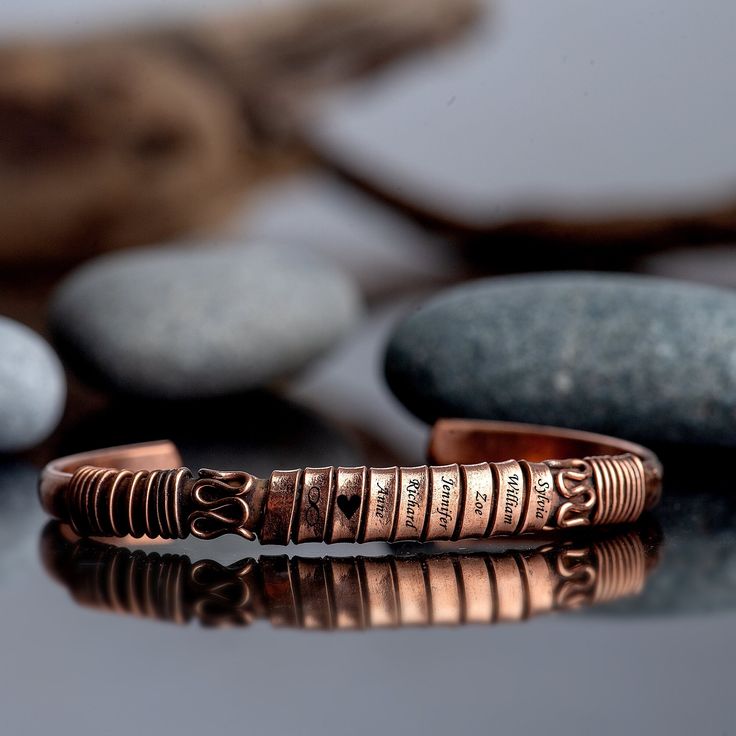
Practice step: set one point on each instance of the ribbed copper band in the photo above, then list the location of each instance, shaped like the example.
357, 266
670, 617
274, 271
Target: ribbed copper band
417, 503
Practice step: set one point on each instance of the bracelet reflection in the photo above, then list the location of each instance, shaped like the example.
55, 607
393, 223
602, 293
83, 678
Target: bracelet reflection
352, 593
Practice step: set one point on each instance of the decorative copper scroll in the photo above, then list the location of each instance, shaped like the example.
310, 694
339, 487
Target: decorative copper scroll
360, 504
350, 593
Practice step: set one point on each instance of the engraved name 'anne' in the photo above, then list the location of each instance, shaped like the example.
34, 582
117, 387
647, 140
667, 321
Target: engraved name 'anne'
381, 498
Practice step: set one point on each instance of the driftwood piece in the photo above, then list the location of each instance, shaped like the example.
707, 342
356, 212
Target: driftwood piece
137, 137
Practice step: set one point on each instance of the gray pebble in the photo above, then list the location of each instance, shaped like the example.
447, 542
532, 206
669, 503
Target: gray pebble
194, 322
628, 355
32, 387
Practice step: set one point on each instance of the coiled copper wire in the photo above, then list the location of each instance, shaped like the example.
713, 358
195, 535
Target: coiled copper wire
106, 502
620, 483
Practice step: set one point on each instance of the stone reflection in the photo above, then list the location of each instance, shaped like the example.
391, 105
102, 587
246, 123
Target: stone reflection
351, 593
20, 517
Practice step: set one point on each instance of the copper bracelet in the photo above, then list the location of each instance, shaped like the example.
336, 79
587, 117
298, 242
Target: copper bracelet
139, 490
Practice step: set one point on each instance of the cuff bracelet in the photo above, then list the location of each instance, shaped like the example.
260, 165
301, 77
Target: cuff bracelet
559, 479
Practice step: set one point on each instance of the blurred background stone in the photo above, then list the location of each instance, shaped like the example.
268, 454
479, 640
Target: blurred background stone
386, 254
541, 134
32, 387
714, 264
192, 323
627, 355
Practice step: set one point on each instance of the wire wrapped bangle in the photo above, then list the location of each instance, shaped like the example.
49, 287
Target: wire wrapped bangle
471, 491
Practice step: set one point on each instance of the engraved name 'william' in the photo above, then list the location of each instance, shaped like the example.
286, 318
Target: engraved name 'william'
513, 495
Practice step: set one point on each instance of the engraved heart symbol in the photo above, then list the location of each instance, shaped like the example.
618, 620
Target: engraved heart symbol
348, 505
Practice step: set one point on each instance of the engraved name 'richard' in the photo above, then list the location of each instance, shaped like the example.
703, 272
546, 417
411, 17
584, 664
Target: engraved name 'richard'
443, 509
513, 494
413, 488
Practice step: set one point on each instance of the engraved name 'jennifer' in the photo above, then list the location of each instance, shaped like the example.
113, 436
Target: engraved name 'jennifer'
413, 488
542, 488
512, 498
381, 498
443, 509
